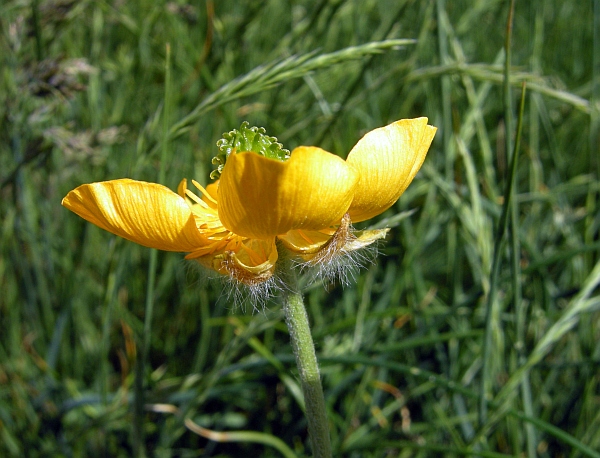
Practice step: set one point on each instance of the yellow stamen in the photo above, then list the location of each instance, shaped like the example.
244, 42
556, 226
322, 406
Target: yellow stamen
205, 194
305, 237
196, 199
253, 255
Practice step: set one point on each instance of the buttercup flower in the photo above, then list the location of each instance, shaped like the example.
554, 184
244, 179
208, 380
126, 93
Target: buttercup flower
308, 200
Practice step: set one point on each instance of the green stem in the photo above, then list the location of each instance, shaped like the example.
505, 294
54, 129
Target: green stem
306, 360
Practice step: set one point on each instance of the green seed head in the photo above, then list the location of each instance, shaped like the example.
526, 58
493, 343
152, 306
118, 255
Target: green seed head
253, 139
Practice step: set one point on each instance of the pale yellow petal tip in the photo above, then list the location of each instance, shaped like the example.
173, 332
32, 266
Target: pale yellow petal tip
419, 122
420, 132
366, 238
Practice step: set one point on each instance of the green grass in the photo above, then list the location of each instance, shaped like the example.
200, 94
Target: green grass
430, 352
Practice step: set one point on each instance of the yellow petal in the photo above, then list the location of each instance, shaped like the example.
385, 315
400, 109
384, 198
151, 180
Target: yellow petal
146, 213
343, 242
253, 263
387, 159
212, 189
261, 198
324, 246
305, 242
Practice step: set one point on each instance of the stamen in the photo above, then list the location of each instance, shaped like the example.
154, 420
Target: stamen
233, 244
201, 252
255, 257
205, 193
196, 199
305, 237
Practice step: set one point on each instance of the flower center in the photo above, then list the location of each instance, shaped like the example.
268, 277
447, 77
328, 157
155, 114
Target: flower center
246, 138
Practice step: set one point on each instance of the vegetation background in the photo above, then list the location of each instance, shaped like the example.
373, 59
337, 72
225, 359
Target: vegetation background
427, 352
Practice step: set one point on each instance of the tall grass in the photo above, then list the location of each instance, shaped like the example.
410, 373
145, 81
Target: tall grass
98, 359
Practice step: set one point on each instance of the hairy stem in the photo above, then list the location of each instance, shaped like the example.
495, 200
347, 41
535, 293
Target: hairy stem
306, 360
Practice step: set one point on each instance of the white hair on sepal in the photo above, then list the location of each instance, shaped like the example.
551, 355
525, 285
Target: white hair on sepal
238, 287
257, 294
342, 257
342, 266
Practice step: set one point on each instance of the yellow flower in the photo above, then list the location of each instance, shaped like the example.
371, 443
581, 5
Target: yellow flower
308, 202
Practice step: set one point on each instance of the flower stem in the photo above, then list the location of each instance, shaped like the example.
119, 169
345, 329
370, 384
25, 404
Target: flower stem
306, 360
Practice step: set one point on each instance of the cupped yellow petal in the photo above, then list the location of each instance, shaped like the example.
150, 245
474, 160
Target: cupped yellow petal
316, 247
146, 213
387, 159
252, 262
305, 242
262, 198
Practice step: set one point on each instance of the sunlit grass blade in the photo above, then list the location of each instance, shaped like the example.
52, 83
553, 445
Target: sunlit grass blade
242, 436
492, 73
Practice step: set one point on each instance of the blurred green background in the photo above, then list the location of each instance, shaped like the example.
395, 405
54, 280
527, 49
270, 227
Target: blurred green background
426, 352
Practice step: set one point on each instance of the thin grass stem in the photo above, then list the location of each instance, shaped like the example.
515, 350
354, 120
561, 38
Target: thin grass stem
498, 245
37, 32
492, 307
151, 283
